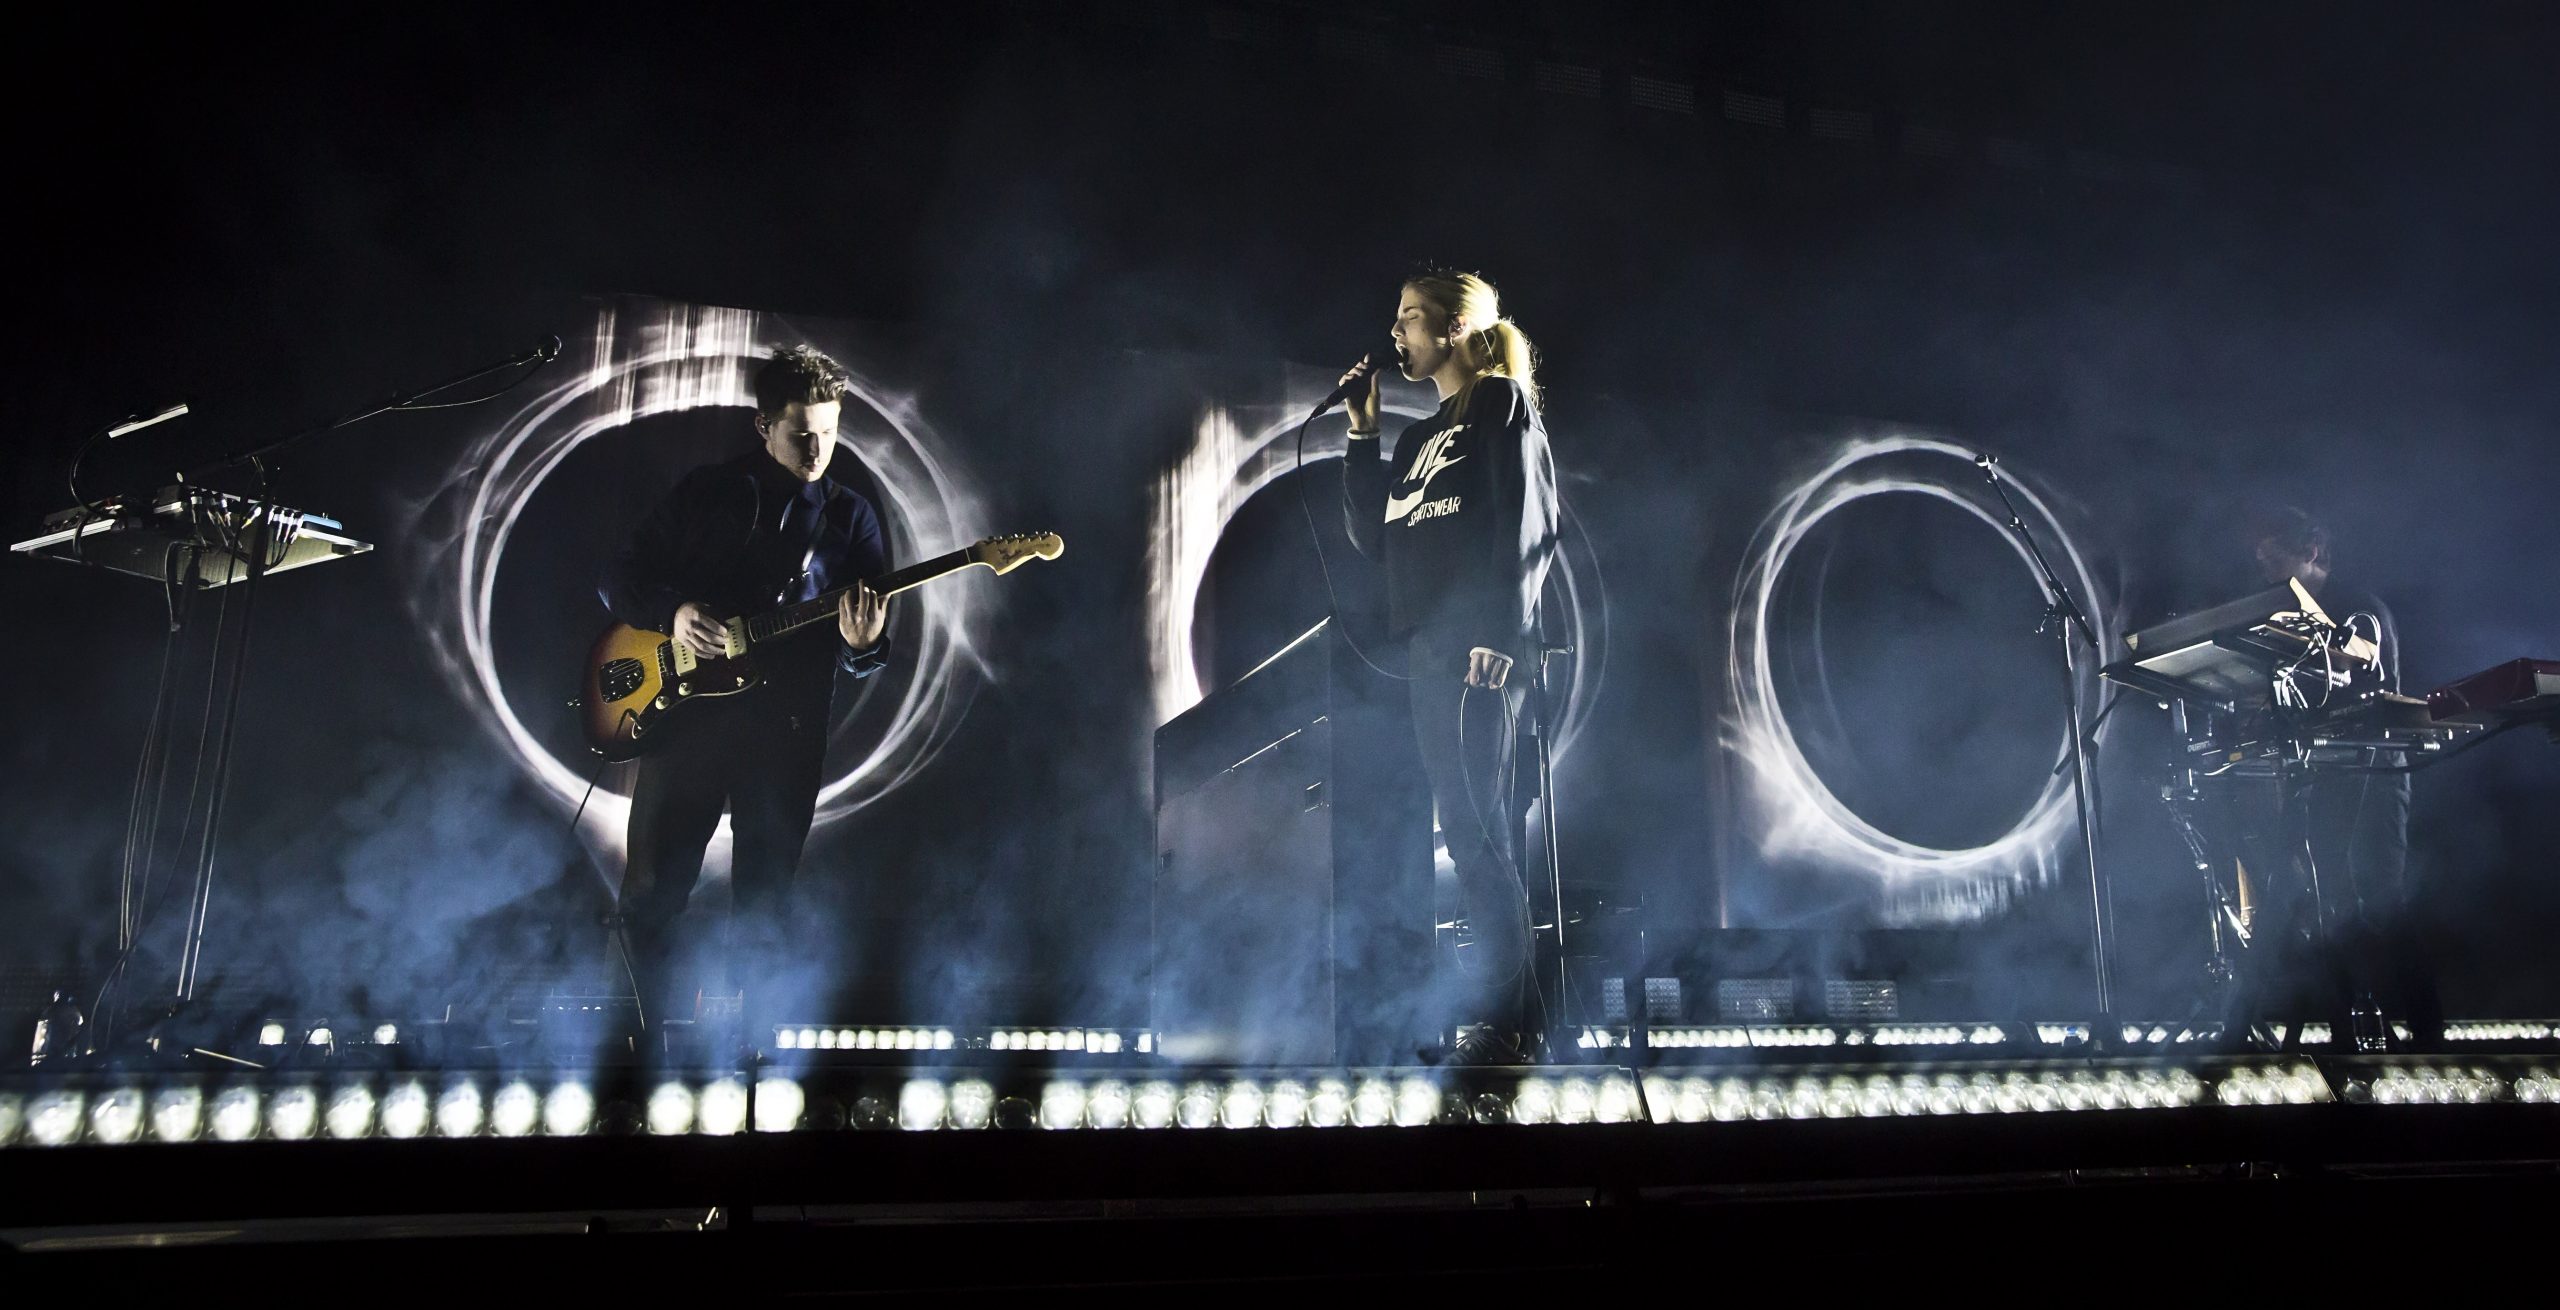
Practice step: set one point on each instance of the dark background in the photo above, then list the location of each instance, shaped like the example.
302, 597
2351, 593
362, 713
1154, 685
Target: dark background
2170, 260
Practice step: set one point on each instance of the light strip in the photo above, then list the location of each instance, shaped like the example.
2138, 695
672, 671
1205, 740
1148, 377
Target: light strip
2499, 1030
295, 1109
2449, 1084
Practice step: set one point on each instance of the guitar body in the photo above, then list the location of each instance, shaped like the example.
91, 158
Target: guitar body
636, 679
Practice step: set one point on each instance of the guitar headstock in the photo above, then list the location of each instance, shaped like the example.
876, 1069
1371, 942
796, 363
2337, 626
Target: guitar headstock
1009, 552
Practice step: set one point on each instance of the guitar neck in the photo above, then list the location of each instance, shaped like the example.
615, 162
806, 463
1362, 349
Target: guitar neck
791, 618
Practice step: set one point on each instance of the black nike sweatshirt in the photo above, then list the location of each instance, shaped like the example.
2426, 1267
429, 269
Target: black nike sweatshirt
1463, 517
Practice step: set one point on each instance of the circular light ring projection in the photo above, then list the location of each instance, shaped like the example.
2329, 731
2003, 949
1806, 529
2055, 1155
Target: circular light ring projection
1226, 468
696, 358
1795, 814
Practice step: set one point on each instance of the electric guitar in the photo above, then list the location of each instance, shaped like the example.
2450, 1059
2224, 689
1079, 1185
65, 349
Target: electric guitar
635, 679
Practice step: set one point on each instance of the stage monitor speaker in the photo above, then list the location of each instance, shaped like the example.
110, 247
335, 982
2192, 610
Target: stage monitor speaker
1292, 908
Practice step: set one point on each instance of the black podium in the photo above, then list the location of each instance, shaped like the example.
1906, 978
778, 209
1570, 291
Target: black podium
1293, 911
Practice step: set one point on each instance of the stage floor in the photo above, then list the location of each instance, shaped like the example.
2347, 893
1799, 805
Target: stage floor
918, 1161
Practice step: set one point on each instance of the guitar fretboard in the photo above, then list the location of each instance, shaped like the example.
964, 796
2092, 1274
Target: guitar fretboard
789, 618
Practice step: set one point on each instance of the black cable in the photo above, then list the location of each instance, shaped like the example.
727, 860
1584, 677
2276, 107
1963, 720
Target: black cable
169, 577
1484, 830
201, 905
620, 934
233, 542
141, 819
71, 480
1511, 790
1550, 719
2288, 695
412, 405
115, 973
260, 517
1509, 801
1333, 599
151, 754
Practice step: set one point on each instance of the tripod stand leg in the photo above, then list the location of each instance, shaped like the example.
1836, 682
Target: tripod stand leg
1551, 990
259, 537
2101, 906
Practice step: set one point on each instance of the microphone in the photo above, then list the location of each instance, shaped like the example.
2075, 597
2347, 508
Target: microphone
137, 422
1378, 360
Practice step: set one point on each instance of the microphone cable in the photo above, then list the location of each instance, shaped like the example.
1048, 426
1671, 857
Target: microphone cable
1315, 538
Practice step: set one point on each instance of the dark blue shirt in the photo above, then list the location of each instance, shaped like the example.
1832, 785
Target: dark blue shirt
742, 537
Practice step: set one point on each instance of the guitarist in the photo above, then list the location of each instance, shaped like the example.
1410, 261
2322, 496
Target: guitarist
766, 527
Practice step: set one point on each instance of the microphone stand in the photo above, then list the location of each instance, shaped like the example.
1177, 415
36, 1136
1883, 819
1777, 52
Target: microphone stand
1551, 998
2071, 627
548, 351
259, 536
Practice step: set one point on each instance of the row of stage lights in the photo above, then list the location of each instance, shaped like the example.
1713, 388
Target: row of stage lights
864, 1039
2499, 1030
1093, 1041
275, 1034
1733, 1037
1949, 1036
1724, 1037
243, 1112
2065, 1036
409, 1108
1090, 1041
2473, 1031
2431, 1084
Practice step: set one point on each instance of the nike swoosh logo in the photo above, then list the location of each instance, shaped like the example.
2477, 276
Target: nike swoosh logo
1435, 458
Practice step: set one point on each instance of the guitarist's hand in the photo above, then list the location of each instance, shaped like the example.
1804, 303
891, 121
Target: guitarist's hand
861, 614
701, 633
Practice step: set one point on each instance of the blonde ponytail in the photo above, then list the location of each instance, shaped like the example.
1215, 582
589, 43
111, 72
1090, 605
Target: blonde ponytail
1498, 348
1506, 352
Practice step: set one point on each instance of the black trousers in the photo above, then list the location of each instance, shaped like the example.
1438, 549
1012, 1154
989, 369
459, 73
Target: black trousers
757, 756
1465, 735
2348, 834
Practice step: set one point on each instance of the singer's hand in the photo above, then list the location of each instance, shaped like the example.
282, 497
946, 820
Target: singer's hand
1363, 403
860, 615
1488, 669
701, 633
